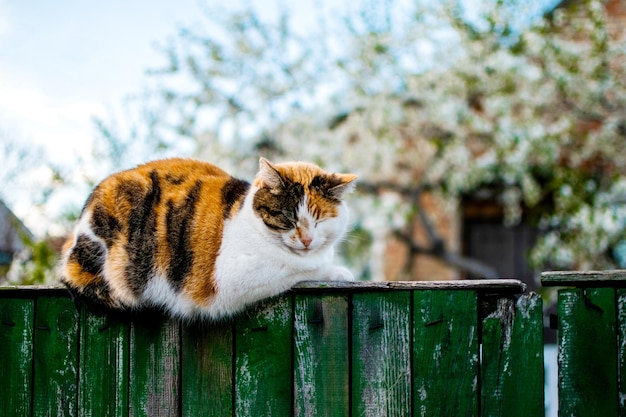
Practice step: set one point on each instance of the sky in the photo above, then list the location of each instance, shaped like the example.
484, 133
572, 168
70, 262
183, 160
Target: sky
62, 63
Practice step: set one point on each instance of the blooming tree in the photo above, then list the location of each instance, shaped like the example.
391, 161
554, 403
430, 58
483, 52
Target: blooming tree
415, 99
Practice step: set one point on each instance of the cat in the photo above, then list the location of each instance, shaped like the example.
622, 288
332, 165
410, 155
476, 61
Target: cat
186, 237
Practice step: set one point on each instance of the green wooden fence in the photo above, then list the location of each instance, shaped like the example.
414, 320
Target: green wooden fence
591, 342
462, 348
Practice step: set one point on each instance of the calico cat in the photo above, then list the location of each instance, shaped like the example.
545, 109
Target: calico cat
186, 237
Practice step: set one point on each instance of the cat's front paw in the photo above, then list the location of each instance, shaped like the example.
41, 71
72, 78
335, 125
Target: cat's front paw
339, 273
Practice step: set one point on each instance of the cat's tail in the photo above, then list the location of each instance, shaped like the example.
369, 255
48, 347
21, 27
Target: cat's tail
82, 265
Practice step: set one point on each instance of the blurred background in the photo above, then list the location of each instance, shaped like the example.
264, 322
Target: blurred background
488, 136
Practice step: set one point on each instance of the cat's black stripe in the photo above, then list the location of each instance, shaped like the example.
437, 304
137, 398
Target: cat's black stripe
88, 254
325, 185
130, 191
96, 297
104, 225
141, 246
175, 179
277, 208
179, 221
233, 192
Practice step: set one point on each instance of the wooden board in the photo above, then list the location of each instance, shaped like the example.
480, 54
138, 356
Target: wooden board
16, 356
587, 345
512, 359
500, 285
322, 286
321, 356
207, 369
104, 366
381, 354
154, 366
621, 351
595, 279
55, 371
445, 353
263, 359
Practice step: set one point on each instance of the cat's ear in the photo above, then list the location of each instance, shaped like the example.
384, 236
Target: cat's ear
342, 184
269, 175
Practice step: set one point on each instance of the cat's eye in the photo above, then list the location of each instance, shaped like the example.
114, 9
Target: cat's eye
290, 215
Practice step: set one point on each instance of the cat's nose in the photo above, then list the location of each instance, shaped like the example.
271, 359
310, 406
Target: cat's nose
306, 240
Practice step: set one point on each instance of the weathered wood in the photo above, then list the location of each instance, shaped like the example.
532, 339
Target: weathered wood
587, 344
497, 285
446, 354
526, 357
16, 356
207, 369
381, 354
154, 366
55, 374
321, 359
512, 351
263, 373
104, 366
39, 289
595, 279
500, 285
378, 349
621, 351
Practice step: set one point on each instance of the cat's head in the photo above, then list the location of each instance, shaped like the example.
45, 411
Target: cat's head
301, 204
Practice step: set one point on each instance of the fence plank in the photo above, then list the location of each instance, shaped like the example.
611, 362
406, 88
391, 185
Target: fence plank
154, 366
587, 352
207, 370
512, 359
16, 356
55, 375
104, 366
445, 359
381, 354
511, 286
321, 355
263, 359
593, 279
621, 348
